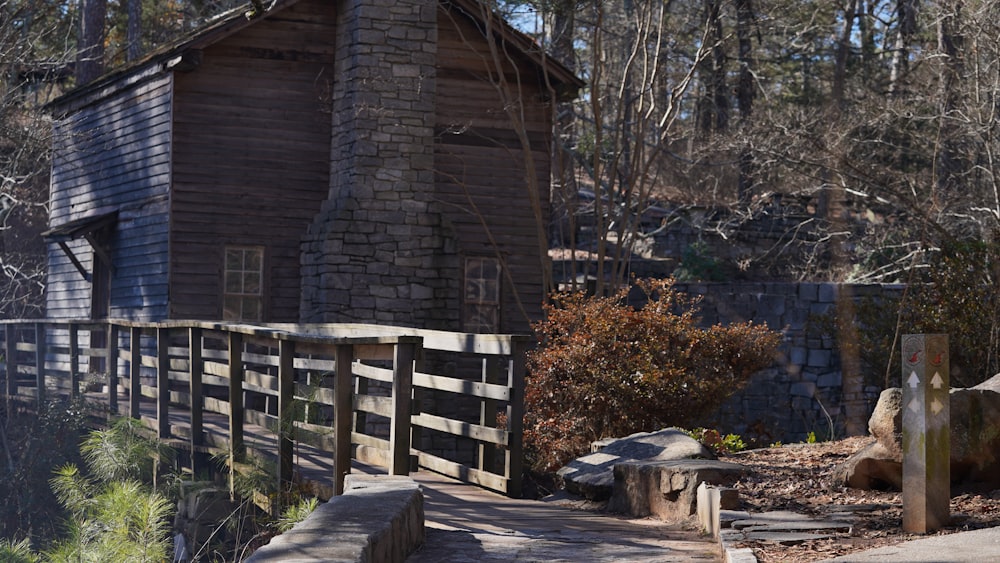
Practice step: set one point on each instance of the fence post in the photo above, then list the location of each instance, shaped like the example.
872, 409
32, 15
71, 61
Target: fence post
236, 451
74, 360
514, 460
10, 342
402, 394
488, 415
342, 415
286, 416
40, 362
417, 407
135, 372
163, 382
196, 369
111, 362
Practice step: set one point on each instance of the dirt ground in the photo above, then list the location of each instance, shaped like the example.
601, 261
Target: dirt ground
797, 478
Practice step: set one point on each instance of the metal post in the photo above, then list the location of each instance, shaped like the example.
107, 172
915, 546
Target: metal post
926, 433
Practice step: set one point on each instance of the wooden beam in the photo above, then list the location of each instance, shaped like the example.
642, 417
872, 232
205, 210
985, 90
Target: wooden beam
402, 394
286, 423
135, 371
343, 385
514, 455
40, 362
74, 360
111, 363
195, 387
237, 452
163, 382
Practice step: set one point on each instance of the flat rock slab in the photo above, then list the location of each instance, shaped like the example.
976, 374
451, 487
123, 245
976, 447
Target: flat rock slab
592, 476
783, 521
784, 538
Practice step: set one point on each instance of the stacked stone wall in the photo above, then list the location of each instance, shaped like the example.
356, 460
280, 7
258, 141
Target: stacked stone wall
808, 389
380, 250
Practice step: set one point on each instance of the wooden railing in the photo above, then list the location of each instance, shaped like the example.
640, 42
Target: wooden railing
273, 390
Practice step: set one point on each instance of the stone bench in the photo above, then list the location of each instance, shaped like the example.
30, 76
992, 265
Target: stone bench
379, 518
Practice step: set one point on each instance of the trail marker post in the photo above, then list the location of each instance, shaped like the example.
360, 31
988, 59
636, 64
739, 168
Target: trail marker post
926, 433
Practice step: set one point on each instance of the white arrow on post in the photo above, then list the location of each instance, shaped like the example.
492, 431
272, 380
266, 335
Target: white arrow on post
913, 380
937, 382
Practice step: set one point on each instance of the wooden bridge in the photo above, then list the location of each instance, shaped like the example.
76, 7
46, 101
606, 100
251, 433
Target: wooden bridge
305, 396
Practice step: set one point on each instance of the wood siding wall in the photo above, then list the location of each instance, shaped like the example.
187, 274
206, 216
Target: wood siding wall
114, 156
480, 165
251, 157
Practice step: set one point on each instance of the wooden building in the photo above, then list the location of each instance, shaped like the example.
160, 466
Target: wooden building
324, 161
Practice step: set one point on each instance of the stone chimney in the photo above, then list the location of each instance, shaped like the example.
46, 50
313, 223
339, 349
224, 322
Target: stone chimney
378, 251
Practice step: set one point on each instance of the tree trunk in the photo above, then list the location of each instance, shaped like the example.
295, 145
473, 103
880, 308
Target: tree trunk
90, 46
715, 109
134, 30
840, 56
948, 163
906, 29
745, 93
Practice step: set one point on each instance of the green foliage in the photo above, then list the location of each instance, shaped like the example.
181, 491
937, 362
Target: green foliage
17, 552
697, 265
122, 522
297, 513
123, 451
113, 516
715, 441
959, 296
811, 438
606, 369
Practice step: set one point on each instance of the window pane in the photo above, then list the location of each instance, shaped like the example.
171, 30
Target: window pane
243, 284
234, 260
251, 283
481, 295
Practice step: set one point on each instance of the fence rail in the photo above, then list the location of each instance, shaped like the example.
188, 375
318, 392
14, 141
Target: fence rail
395, 397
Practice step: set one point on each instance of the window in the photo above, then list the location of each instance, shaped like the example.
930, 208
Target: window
481, 298
243, 290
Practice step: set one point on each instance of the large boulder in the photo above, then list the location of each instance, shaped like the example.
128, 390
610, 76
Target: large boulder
886, 422
975, 440
592, 476
871, 468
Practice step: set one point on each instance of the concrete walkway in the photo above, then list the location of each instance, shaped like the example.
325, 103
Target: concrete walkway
465, 524
964, 547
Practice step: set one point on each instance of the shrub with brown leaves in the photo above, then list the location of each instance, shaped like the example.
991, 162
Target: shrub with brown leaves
606, 369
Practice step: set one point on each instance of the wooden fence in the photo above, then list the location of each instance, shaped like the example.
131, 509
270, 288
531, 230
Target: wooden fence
319, 388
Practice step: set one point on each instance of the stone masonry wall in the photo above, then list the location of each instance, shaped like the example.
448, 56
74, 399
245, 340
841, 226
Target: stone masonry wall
379, 250
792, 398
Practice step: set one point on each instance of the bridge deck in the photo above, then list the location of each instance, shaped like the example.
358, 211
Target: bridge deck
467, 524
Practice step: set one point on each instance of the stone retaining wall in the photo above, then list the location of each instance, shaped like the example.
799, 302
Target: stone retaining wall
808, 383
379, 518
